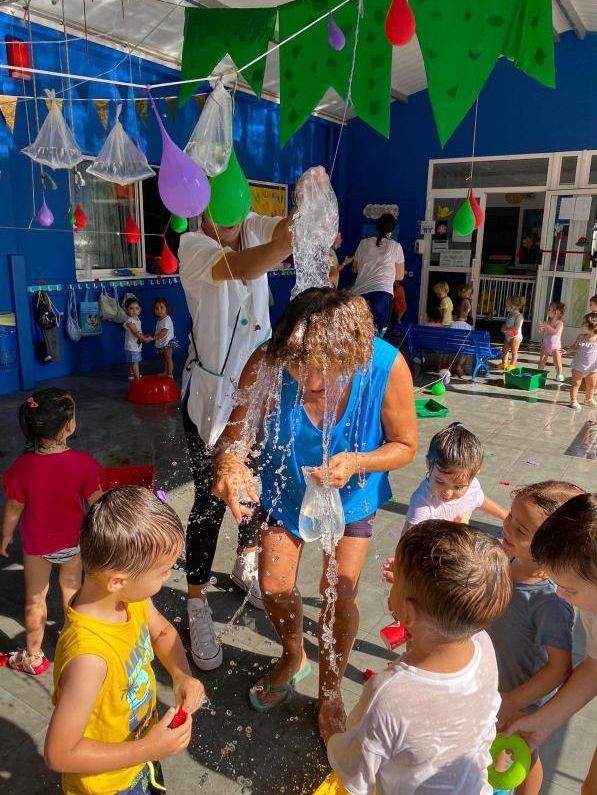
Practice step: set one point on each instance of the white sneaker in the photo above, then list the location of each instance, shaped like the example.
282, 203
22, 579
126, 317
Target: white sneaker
574, 404
245, 575
205, 648
560, 378
592, 403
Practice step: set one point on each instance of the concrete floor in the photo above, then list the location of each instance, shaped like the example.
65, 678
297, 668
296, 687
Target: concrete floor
527, 437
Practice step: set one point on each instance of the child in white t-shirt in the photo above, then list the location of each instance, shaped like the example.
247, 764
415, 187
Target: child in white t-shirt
133, 337
426, 723
165, 341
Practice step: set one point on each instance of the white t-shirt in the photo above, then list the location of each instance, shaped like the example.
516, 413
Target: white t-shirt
424, 505
461, 324
376, 265
230, 320
164, 323
589, 622
414, 731
132, 343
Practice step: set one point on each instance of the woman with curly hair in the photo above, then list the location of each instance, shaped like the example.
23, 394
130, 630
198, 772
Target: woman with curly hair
324, 393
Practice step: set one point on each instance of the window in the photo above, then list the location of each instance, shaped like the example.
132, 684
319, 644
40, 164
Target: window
156, 222
101, 247
593, 172
518, 172
568, 170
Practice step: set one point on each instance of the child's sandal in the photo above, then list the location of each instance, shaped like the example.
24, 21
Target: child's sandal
34, 666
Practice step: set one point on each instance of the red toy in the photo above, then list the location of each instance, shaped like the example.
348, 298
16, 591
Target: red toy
153, 389
368, 673
178, 719
394, 635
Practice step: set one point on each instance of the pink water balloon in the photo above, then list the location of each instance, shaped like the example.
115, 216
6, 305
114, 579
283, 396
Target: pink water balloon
183, 186
44, 215
336, 38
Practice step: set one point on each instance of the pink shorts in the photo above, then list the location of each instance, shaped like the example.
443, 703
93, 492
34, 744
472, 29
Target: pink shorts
549, 346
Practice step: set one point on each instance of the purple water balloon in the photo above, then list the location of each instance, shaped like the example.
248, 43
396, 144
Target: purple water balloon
183, 186
336, 38
44, 215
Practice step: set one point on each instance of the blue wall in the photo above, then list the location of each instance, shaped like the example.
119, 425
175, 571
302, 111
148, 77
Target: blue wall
516, 115
49, 254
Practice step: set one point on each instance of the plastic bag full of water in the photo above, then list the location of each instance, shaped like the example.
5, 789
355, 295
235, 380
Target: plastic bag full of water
322, 514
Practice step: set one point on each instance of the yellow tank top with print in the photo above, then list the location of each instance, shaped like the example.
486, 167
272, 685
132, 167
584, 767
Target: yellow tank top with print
125, 706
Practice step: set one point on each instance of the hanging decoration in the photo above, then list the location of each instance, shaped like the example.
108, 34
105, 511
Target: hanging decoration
44, 215
461, 43
59, 103
79, 217
178, 224
132, 233
371, 83
101, 106
210, 143
476, 208
464, 219
400, 23
168, 262
183, 186
120, 160
8, 109
336, 38
17, 56
55, 145
230, 195
70, 217
212, 33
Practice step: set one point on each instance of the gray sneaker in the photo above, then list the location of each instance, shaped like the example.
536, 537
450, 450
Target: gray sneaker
205, 648
574, 404
560, 378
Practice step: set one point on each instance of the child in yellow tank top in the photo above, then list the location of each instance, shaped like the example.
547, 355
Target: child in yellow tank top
105, 732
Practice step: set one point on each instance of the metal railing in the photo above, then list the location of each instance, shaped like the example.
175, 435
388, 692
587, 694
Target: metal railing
494, 291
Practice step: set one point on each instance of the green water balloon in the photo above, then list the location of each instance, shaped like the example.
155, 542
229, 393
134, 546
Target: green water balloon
178, 224
230, 195
463, 222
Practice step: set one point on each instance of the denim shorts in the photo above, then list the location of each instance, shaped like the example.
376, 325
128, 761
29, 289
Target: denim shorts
133, 356
362, 528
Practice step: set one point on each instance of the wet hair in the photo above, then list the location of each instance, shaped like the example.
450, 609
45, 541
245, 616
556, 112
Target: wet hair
558, 306
441, 287
567, 539
590, 319
162, 301
323, 328
457, 575
454, 449
44, 414
593, 299
548, 495
385, 226
517, 301
129, 529
130, 301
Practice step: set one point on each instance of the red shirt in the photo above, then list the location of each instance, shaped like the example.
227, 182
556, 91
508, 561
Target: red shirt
53, 488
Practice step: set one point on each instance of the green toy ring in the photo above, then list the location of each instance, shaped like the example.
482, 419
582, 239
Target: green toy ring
518, 770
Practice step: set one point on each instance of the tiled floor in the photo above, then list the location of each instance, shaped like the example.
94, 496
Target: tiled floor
527, 437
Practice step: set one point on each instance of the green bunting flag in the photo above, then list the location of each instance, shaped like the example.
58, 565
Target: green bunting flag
212, 33
309, 66
462, 40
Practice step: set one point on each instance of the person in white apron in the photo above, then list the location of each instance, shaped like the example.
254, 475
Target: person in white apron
223, 270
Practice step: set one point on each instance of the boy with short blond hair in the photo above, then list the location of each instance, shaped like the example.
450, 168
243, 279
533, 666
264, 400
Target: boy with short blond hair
104, 734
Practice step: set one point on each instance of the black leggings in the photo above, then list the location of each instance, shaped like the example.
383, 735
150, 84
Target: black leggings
207, 512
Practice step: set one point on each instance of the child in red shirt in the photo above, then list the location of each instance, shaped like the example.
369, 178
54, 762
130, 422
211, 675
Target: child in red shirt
46, 489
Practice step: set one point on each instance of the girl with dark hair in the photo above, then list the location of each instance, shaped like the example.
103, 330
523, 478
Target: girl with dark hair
46, 490
379, 262
165, 341
341, 393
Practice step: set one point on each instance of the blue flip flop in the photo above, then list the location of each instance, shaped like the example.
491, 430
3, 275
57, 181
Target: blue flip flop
285, 690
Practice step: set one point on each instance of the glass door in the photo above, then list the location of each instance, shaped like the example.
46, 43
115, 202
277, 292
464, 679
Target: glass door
448, 257
569, 259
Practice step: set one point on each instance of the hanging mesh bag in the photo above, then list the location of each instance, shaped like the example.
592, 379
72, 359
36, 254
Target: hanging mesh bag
55, 145
210, 143
120, 160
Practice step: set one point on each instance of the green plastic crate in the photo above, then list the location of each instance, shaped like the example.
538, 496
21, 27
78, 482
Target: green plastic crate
427, 407
525, 378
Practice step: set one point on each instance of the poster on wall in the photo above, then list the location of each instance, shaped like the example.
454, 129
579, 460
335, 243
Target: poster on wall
269, 198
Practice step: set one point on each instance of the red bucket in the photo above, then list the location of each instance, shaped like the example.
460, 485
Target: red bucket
112, 477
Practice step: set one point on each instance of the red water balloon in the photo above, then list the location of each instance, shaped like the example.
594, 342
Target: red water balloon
477, 211
132, 232
168, 262
80, 218
400, 23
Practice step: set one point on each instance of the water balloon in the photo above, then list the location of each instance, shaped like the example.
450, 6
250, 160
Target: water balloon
463, 222
445, 375
183, 186
44, 215
438, 389
230, 195
178, 224
70, 216
80, 218
336, 38
132, 232
400, 23
476, 208
168, 262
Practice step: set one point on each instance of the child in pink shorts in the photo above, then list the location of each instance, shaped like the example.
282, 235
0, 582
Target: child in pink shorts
551, 344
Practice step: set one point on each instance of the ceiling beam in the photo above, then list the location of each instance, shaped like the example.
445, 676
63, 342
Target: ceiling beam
569, 10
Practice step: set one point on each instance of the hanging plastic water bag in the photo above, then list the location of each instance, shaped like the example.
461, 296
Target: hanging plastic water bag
322, 514
314, 229
55, 145
120, 160
210, 143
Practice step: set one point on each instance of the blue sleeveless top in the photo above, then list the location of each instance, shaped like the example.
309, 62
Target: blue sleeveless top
299, 443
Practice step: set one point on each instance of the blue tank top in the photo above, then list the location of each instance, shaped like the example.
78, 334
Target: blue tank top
299, 443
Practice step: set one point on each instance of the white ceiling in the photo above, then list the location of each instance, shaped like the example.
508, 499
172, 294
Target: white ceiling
153, 28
